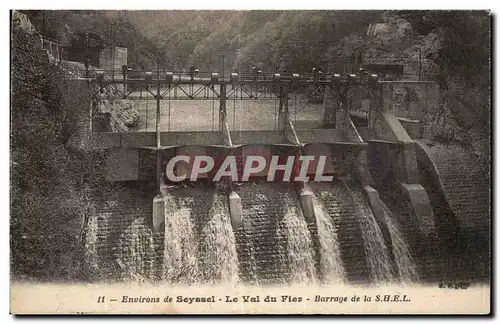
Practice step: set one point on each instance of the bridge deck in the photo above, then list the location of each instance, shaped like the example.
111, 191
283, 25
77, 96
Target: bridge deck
214, 138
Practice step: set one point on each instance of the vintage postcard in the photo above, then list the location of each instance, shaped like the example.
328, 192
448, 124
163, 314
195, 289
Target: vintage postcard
250, 162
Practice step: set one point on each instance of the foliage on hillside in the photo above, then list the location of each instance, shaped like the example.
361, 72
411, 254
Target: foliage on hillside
274, 40
451, 47
48, 196
113, 27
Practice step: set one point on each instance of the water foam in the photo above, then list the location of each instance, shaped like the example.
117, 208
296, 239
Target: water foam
331, 265
377, 254
218, 257
301, 254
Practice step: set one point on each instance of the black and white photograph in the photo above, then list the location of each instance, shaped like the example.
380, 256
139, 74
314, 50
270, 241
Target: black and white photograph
250, 161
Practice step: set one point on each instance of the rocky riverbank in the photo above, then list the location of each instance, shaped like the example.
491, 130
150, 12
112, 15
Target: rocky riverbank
115, 115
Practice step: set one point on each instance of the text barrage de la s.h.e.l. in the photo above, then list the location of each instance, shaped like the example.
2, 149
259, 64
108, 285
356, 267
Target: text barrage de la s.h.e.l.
259, 299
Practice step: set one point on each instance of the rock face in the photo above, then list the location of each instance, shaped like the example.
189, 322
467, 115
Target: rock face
22, 21
120, 114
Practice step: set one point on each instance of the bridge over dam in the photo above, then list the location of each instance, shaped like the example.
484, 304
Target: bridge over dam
386, 214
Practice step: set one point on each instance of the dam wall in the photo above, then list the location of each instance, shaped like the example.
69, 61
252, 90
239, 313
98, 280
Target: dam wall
461, 181
274, 244
128, 164
461, 190
259, 232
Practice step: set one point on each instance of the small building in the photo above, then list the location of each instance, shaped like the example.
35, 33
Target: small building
84, 46
113, 59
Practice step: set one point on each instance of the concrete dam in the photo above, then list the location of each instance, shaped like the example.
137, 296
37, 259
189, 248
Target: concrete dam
390, 214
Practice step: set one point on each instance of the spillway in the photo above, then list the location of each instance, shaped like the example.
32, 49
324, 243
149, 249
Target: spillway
180, 254
136, 247
218, 259
405, 264
343, 257
199, 241
275, 242
331, 266
299, 247
377, 253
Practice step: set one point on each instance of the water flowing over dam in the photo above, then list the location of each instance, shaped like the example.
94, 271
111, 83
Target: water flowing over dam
289, 230
218, 257
180, 254
301, 254
275, 244
406, 267
200, 245
276, 229
377, 254
331, 266
343, 256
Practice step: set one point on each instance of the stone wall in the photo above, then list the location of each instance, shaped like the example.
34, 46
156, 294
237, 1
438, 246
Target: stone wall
463, 183
444, 257
261, 248
121, 235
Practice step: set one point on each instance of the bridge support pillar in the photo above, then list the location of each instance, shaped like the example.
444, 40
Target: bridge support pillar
387, 97
403, 158
363, 172
159, 174
236, 210
158, 219
330, 109
375, 105
306, 201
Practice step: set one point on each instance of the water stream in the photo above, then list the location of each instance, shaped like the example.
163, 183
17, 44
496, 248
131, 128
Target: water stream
137, 251
377, 254
181, 245
218, 258
405, 264
300, 250
331, 266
